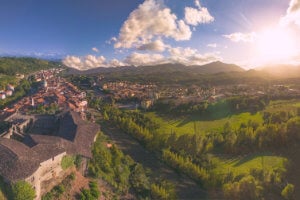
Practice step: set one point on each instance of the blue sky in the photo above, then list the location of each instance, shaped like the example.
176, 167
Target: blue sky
92, 33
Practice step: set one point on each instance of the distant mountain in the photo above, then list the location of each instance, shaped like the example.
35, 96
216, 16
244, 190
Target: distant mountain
211, 68
282, 70
217, 67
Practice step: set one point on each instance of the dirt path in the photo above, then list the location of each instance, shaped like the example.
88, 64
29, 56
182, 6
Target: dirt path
186, 188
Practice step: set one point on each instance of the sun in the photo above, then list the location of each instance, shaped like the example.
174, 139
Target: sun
276, 45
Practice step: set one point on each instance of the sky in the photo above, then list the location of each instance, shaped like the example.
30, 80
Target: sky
113, 33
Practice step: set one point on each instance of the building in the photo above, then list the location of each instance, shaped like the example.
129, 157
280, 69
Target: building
2, 95
37, 159
146, 104
9, 93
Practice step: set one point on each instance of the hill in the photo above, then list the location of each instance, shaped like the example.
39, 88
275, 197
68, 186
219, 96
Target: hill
282, 71
211, 68
215, 73
216, 67
13, 65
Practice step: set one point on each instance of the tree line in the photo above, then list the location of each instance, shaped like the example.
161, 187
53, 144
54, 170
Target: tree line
190, 153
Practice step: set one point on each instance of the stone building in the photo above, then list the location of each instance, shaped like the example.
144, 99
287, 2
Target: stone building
38, 159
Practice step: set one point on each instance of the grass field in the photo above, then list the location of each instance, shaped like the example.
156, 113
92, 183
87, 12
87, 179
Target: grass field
286, 105
237, 165
188, 124
191, 123
243, 165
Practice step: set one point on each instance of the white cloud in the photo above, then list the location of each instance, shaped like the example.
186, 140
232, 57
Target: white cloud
189, 56
241, 37
85, 63
157, 45
95, 49
293, 13
116, 63
197, 3
139, 59
195, 16
214, 45
150, 20
111, 40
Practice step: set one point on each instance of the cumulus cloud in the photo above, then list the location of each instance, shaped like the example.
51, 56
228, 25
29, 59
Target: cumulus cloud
241, 37
293, 13
111, 40
151, 19
197, 3
139, 59
84, 63
116, 63
214, 45
95, 49
195, 16
157, 45
189, 56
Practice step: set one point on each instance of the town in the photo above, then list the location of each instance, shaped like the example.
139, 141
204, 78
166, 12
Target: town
33, 145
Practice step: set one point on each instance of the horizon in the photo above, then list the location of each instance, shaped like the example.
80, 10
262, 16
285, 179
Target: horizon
246, 33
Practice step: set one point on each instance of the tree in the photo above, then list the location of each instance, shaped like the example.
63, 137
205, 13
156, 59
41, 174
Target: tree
288, 191
23, 191
139, 180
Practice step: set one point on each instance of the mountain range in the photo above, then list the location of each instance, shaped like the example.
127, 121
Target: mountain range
211, 68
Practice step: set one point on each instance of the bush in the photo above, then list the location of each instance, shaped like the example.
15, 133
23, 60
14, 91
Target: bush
288, 192
94, 189
23, 191
67, 161
78, 161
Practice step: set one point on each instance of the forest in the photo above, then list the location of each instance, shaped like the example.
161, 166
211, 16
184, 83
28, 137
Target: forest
199, 155
12, 66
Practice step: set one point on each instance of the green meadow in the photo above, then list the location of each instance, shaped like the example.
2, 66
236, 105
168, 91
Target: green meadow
198, 124
194, 123
236, 165
243, 165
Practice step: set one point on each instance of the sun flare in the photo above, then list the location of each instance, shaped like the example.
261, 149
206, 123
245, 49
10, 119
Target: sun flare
275, 45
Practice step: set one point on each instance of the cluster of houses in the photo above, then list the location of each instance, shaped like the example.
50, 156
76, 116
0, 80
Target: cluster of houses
126, 90
33, 146
54, 90
147, 94
8, 92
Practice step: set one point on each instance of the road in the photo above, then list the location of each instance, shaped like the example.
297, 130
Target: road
186, 188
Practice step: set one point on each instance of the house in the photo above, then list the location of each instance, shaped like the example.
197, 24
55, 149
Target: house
2, 95
216, 98
9, 93
146, 104
37, 159
10, 87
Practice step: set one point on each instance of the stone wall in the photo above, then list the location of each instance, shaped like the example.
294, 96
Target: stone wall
48, 170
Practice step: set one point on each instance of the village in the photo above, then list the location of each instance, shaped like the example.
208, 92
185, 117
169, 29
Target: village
33, 145
147, 94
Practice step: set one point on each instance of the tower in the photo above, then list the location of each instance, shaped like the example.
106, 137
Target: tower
32, 102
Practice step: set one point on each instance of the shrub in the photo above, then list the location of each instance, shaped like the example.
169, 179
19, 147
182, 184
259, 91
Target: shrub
288, 191
67, 161
23, 191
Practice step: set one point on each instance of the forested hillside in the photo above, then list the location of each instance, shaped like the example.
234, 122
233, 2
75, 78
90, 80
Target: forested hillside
12, 65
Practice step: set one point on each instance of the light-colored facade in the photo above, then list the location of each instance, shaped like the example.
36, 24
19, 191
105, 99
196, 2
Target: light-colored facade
48, 170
